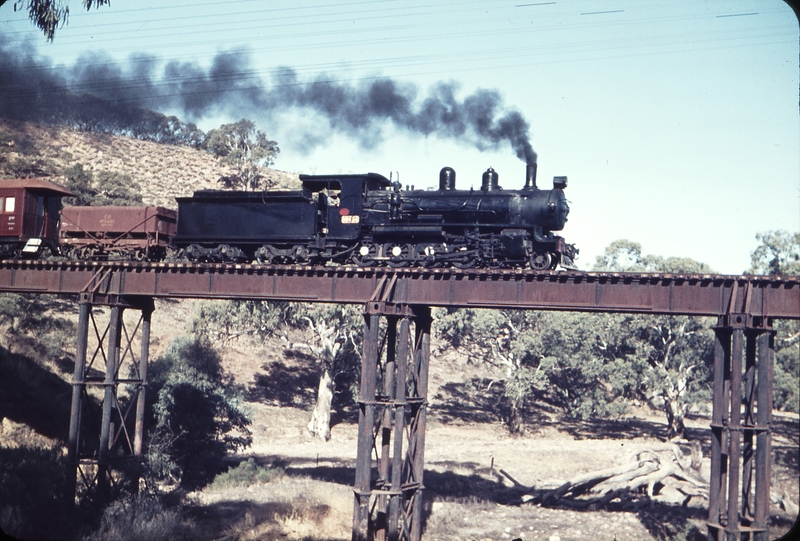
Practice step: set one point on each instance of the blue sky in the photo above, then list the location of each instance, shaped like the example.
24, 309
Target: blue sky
677, 123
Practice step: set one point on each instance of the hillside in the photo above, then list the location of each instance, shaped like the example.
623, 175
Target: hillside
163, 171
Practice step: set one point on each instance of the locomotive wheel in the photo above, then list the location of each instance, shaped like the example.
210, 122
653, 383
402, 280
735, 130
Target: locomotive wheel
365, 255
264, 254
466, 263
469, 260
541, 260
427, 254
400, 255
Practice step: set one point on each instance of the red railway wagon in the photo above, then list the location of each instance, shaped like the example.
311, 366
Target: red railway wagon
29, 213
138, 233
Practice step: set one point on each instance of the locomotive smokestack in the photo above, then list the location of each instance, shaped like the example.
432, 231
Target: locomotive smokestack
530, 176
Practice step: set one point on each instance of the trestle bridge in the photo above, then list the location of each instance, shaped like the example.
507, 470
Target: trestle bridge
392, 419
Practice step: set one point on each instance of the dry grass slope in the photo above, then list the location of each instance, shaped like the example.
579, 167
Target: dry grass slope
163, 171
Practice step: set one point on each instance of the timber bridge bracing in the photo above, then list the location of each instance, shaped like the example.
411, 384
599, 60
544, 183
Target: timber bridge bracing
389, 486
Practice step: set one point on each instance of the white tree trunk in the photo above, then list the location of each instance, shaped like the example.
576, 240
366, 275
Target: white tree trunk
320, 424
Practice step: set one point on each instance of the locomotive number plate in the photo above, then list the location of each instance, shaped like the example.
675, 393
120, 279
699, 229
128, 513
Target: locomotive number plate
351, 219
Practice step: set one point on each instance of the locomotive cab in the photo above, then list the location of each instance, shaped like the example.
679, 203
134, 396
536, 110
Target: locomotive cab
29, 215
341, 200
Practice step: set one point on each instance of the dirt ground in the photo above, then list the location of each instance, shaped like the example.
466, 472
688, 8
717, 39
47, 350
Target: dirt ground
465, 497
470, 461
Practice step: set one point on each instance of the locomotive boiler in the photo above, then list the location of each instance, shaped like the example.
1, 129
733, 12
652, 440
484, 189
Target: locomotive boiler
368, 220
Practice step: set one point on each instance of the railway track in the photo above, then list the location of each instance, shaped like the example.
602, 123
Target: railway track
561, 275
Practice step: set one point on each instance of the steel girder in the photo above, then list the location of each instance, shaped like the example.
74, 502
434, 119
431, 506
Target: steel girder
689, 294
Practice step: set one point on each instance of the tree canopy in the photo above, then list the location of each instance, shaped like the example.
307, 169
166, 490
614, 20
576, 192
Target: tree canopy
195, 415
245, 148
778, 253
592, 365
625, 255
48, 15
105, 188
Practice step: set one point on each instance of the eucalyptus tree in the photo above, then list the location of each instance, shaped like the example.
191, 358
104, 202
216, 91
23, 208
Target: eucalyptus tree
779, 254
592, 365
330, 333
246, 149
675, 350
48, 15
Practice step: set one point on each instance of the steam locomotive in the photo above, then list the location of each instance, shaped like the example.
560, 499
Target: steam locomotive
368, 220
365, 220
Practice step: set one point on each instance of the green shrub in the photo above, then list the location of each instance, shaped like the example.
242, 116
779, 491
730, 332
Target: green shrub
195, 416
31, 326
248, 473
140, 518
103, 188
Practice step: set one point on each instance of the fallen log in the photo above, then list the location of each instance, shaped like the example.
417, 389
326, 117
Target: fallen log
647, 468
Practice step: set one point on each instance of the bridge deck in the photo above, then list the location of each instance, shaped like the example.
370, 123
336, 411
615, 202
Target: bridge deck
687, 294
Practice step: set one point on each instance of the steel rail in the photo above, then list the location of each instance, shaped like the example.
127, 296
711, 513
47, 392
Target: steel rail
679, 294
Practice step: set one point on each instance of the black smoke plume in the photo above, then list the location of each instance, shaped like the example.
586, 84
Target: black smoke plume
99, 94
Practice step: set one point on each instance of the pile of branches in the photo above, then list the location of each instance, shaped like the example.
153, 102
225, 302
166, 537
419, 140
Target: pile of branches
666, 474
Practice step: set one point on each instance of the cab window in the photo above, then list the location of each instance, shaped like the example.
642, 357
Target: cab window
9, 204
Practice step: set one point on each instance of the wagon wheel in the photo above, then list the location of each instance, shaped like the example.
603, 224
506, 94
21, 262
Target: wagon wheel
156, 253
365, 255
302, 256
86, 253
10, 252
400, 255
541, 260
67, 251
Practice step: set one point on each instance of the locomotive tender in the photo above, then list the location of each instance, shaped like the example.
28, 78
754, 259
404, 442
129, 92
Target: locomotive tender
364, 220
368, 220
